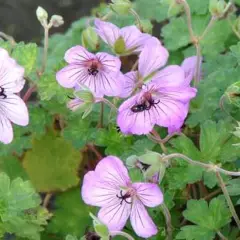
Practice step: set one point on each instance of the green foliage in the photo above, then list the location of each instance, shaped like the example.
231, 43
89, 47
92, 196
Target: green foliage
56, 160
26, 55
71, 215
20, 212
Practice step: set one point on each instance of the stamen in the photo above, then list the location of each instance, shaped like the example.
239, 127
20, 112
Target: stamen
2, 93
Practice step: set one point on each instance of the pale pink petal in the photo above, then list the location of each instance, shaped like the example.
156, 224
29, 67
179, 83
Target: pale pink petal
11, 74
135, 123
141, 222
134, 39
149, 194
78, 54
6, 131
109, 84
129, 80
70, 75
111, 169
96, 192
75, 104
115, 214
189, 66
152, 57
107, 31
109, 62
14, 109
183, 94
171, 76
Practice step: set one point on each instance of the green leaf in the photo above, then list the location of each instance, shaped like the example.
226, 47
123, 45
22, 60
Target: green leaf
12, 167
52, 164
216, 142
26, 55
213, 43
20, 212
153, 10
198, 7
212, 216
195, 233
49, 88
233, 187
71, 215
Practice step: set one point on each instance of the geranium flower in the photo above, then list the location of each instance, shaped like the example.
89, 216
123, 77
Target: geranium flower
110, 188
100, 72
152, 57
162, 101
12, 107
189, 66
123, 41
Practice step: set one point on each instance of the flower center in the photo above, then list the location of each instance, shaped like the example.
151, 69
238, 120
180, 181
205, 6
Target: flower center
126, 196
93, 68
2, 93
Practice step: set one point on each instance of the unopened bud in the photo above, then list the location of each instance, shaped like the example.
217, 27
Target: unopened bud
217, 8
146, 26
85, 95
42, 15
119, 46
121, 7
233, 94
56, 21
90, 38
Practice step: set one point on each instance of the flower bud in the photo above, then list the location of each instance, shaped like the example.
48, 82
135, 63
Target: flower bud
42, 15
121, 7
150, 158
56, 20
101, 229
233, 94
85, 96
146, 26
90, 38
217, 8
119, 46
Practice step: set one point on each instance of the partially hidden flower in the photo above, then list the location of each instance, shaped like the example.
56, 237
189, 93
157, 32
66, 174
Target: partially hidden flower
163, 100
123, 41
189, 66
12, 107
152, 57
110, 188
100, 72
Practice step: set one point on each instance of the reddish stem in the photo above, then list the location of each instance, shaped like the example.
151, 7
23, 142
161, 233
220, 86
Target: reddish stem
29, 93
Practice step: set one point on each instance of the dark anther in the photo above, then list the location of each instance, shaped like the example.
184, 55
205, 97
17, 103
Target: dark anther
92, 71
123, 197
2, 93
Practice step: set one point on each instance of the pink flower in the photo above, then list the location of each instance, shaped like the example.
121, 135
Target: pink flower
100, 72
110, 188
189, 66
124, 41
153, 57
12, 107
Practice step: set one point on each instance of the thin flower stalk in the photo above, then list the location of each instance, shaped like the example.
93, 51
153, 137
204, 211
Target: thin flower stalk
210, 167
168, 220
228, 199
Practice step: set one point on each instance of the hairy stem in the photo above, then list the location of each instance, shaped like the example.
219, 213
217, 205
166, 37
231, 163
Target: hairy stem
210, 167
111, 105
209, 26
212, 194
100, 124
189, 18
228, 199
47, 199
120, 233
221, 235
198, 67
168, 220
134, 13
160, 141
45, 50
29, 92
